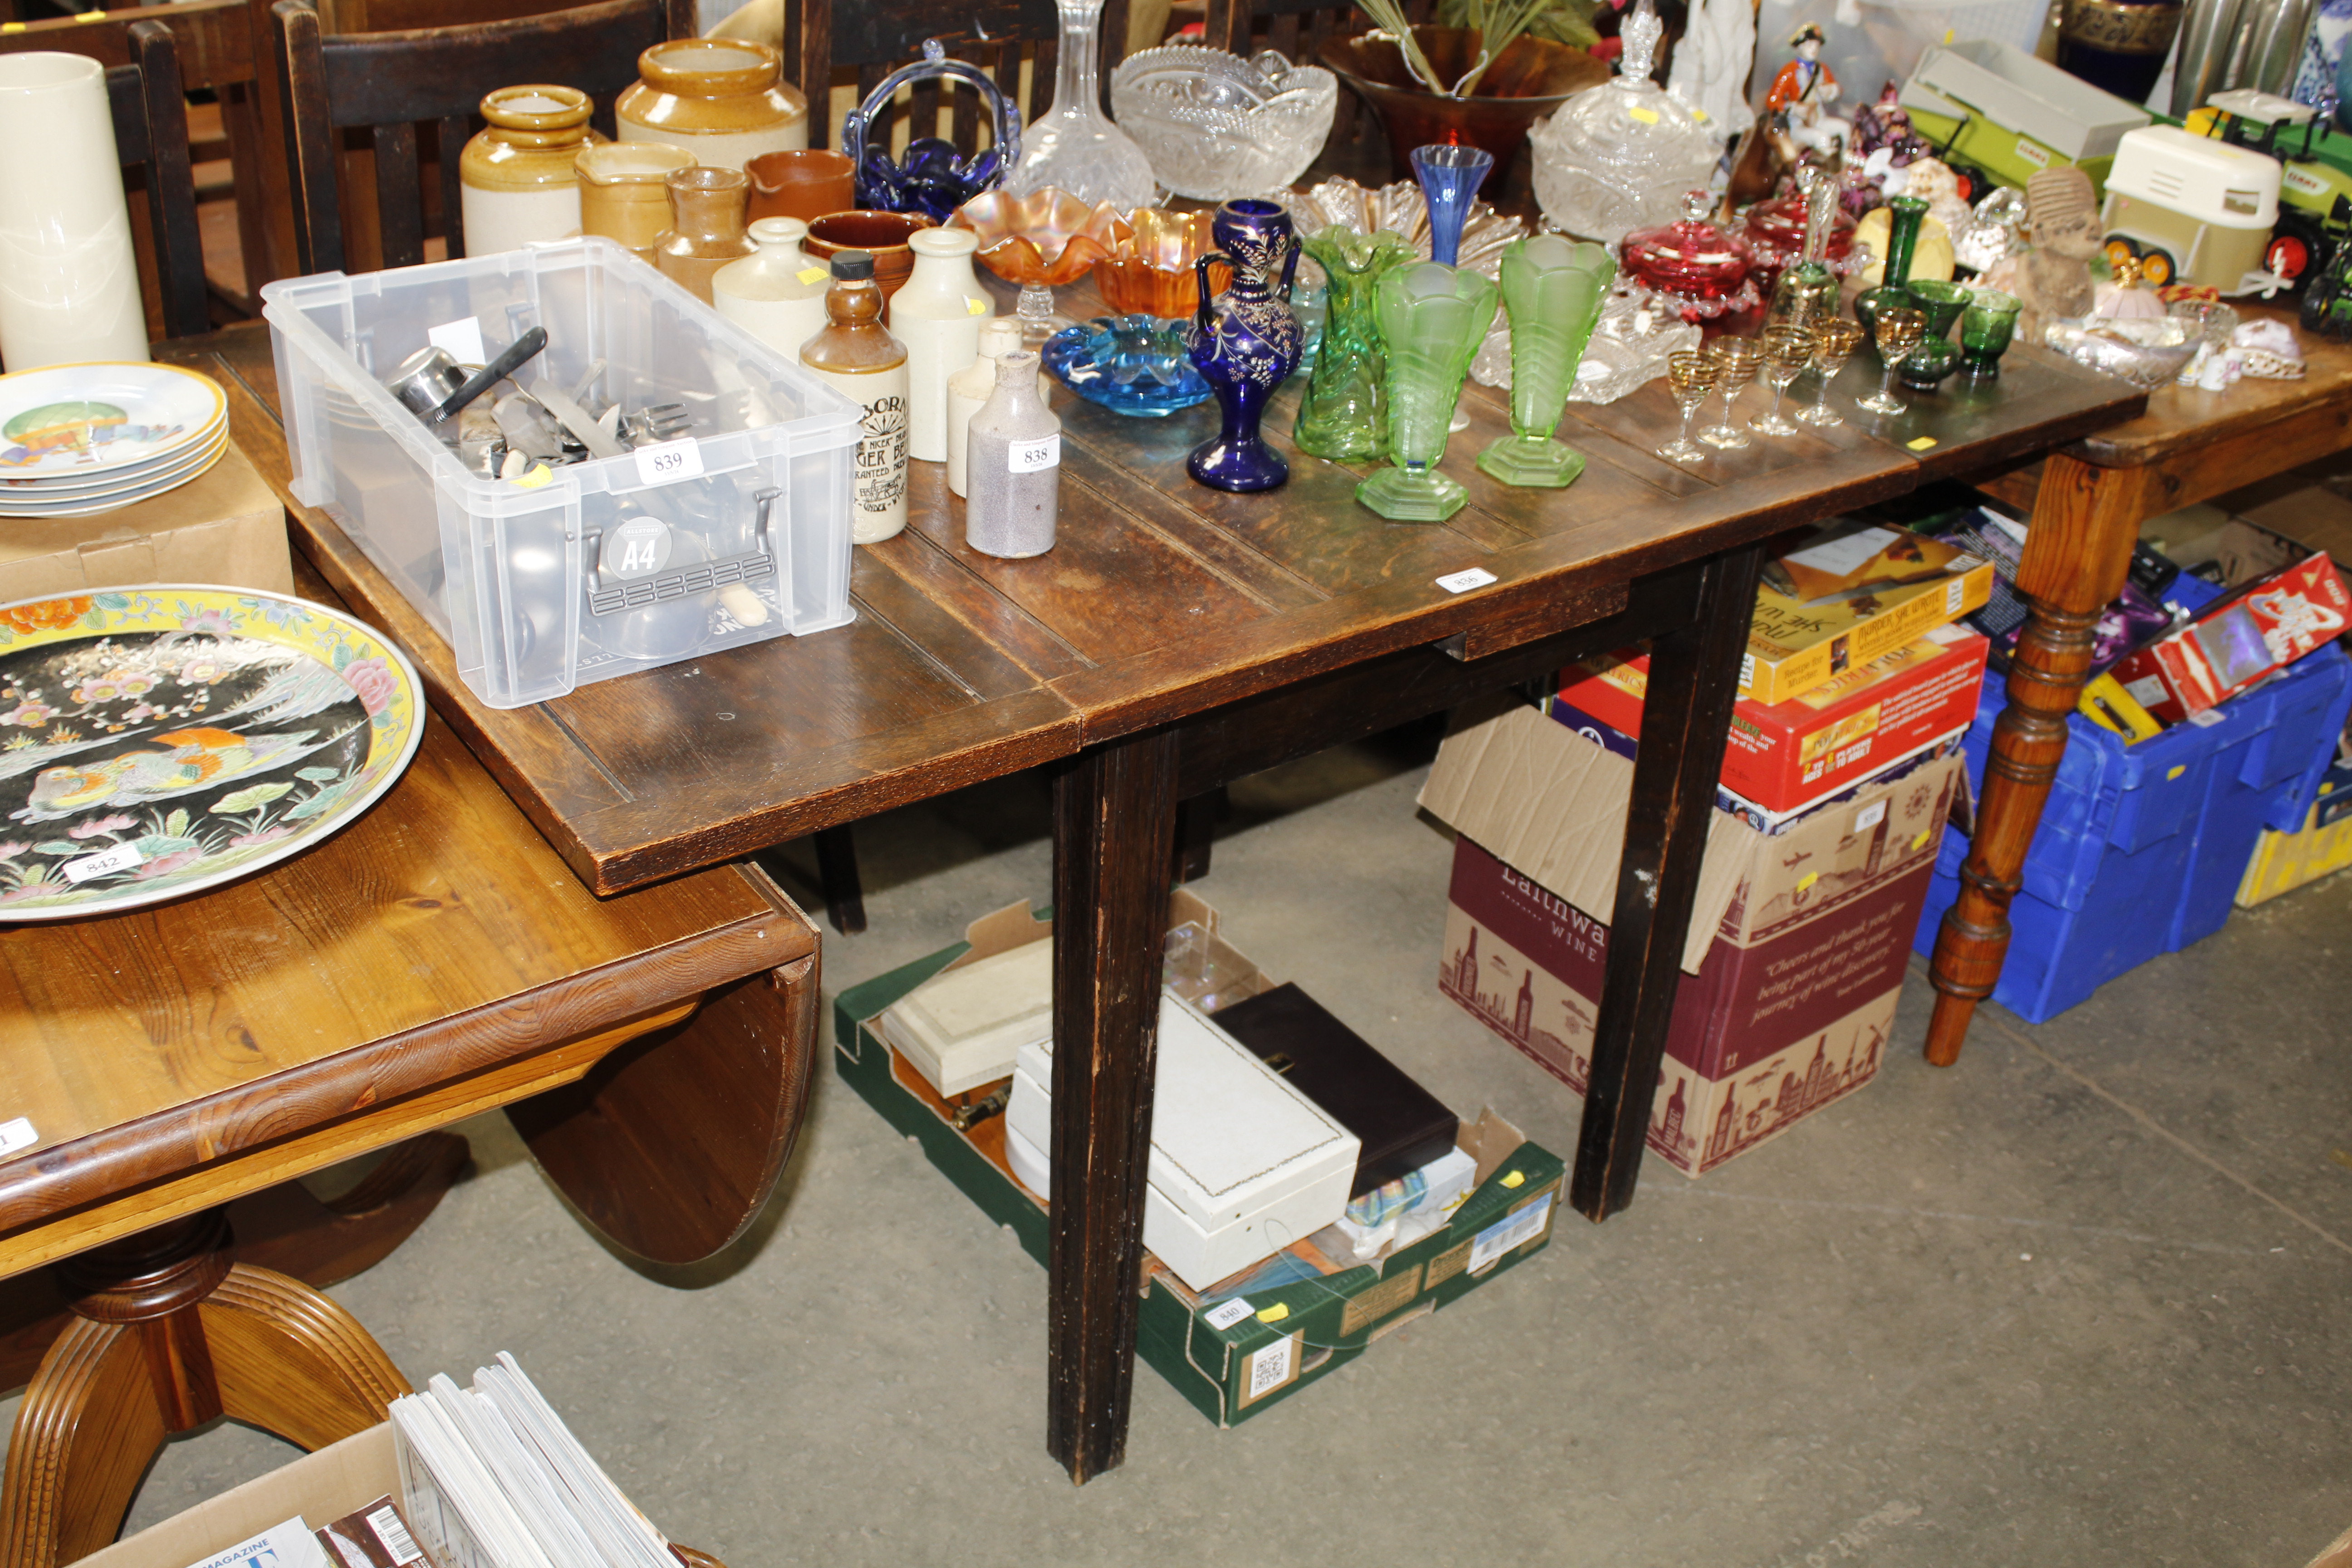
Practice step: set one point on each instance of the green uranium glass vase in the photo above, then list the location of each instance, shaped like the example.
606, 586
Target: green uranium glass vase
1341, 416
1554, 290
1431, 320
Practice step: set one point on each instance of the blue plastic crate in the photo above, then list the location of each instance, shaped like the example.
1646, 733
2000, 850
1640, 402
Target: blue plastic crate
2141, 848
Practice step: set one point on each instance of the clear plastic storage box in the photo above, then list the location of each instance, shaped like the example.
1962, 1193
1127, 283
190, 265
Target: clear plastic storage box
583, 572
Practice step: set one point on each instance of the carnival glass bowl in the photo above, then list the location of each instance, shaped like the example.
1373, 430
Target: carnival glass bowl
1046, 239
1216, 126
1150, 272
1131, 364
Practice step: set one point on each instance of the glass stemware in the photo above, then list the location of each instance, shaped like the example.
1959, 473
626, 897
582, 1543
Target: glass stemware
1740, 359
1787, 351
1899, 331
1834, 341
1986, 327
1690, 377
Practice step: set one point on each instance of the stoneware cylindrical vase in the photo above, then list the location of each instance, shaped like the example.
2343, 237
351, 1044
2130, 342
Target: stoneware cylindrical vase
776, 294
937, 315
706, 227
68, 279
973, 385
805, 182
1013, 465
724, 97
625, 192
519, 177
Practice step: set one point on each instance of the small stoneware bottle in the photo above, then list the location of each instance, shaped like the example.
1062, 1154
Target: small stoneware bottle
706, 229
517, 179
856, 354
722, 98
972, 385
1013, 465
937, 315
778, 295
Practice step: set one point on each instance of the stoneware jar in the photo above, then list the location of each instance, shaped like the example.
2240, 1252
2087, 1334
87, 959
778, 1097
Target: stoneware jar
778, 294
518, 178
707, 227
1013, 465
722, 97
974, 385
937, 315
625, 191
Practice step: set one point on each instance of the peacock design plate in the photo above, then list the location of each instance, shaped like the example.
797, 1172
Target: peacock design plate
158, 740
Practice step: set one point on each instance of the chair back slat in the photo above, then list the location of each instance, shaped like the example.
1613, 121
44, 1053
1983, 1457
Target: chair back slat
876, 39
399, 200
449, 137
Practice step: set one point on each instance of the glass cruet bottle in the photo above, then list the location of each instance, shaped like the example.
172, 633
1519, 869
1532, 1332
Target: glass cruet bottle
1074, 146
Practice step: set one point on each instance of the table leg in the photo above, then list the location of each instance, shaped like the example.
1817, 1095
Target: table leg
169, 1332
1113, 836
1693, 681
2076, 556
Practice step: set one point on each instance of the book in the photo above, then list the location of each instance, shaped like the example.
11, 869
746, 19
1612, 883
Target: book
1850, 594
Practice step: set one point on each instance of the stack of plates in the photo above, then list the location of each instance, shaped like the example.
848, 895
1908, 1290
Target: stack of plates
77, 439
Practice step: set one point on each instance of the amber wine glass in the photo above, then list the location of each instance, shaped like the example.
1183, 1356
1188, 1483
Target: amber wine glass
1787, 349
1899, 331
1834, 341
1739, 358
1690, 377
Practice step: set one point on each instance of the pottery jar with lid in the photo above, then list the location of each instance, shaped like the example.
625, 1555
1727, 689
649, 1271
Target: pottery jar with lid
625, 192
724, 97
706, 226
777, 295
518, 177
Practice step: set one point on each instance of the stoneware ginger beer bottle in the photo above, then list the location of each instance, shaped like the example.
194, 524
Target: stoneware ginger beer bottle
856, 354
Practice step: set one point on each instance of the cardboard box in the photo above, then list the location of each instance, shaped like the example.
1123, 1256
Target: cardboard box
1230, 1357
2238, 640
1786, 756
320, 1486
223, 527
1801, 940
1851, 593
2322, 846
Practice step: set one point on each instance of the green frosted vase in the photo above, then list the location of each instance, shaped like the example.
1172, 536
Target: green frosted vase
1431, 320
1554, 290
1341, 416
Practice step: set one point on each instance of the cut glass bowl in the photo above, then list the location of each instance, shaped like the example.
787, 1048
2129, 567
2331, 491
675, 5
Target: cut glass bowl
1216, 126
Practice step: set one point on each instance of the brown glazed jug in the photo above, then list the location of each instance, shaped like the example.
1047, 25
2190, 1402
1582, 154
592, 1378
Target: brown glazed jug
706, 226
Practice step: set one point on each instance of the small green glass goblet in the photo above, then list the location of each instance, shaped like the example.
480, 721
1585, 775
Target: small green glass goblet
1986, 327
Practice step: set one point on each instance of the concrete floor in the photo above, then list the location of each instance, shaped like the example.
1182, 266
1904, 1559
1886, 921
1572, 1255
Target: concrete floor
2079, 1300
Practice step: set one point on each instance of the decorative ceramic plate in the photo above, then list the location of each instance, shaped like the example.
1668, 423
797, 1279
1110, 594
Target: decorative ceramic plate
158, 740
73, 420
87, 503
115, 482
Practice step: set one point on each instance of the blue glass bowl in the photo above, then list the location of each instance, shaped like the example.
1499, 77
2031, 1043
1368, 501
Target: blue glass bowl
1131, 364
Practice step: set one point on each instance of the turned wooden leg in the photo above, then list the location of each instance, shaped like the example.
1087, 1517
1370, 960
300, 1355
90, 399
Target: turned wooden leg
282, 1228
1114, 831
1685, 723
2076, 556
169, 1332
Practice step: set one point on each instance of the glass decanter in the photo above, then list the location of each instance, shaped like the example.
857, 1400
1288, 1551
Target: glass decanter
1619, 156
1807, 290
1074, 145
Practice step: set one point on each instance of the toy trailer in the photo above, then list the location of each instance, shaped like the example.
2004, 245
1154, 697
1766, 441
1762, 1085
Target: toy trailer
2192, 209
2313, 183
1989, 106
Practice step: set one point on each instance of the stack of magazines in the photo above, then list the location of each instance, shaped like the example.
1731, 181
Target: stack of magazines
491, 1478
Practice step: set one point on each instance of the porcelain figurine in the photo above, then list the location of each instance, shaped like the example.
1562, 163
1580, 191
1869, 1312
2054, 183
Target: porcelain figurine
1245, 342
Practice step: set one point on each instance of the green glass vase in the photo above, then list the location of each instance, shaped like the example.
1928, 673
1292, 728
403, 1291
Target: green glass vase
1431, 320
1341, 416
1554, 290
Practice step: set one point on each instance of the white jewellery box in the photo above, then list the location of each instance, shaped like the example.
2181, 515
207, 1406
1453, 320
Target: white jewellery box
1242, 1163
963, 1028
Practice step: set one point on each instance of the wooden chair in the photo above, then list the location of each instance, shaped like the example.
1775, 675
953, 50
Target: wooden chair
820, 36
154, 58
388, 83
1300, 29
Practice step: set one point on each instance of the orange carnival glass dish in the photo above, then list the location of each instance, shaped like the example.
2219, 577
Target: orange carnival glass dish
1041, 241
1151, 272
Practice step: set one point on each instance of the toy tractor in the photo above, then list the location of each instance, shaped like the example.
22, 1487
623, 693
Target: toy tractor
2315, 199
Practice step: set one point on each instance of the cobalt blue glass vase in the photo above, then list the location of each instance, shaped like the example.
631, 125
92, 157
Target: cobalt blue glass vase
930, 179
1245, 342
1450, 177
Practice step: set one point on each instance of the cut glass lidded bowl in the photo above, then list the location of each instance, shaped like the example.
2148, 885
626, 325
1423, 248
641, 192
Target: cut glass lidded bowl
1618, 157
1216, 126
